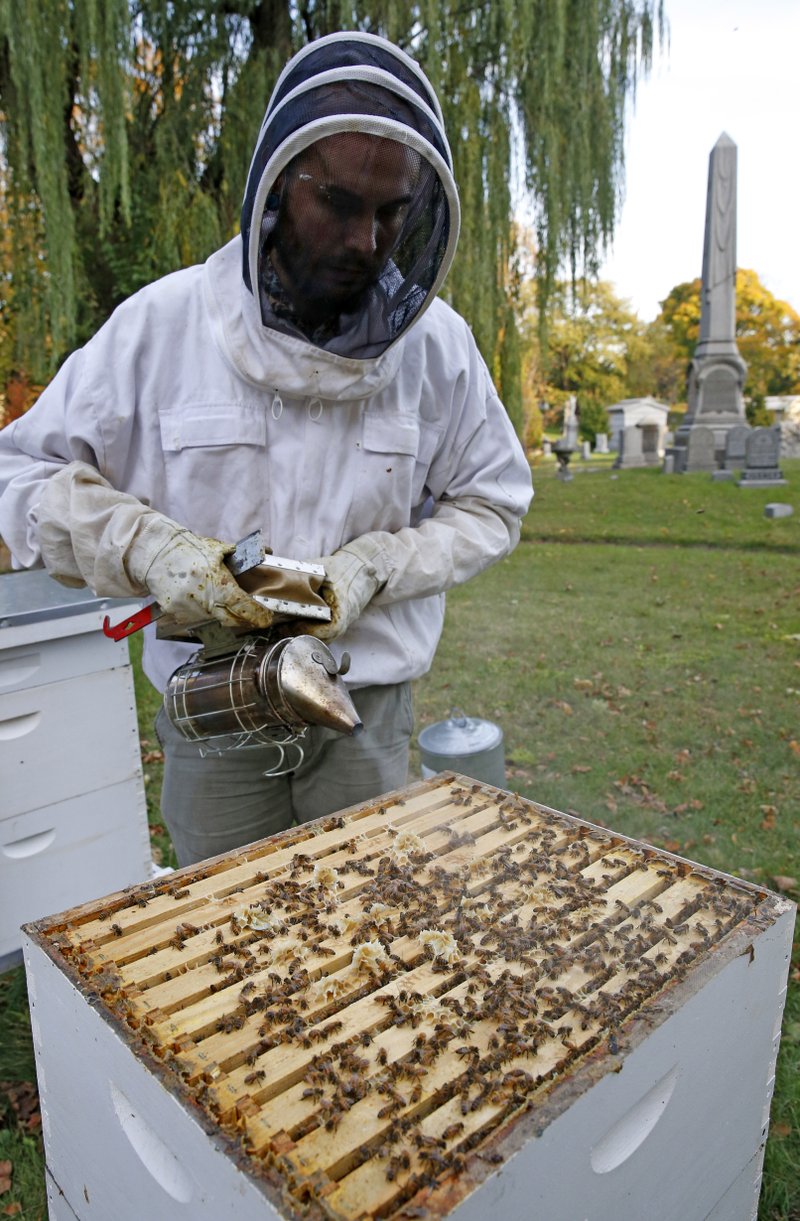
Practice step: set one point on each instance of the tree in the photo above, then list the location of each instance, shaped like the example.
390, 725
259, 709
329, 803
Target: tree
767, 335
126, 129
592, 339
654, 367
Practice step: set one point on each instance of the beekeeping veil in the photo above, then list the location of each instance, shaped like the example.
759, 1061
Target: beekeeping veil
350, 215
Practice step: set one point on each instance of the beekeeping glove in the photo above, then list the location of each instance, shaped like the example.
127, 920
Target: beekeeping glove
353, 575
91, 534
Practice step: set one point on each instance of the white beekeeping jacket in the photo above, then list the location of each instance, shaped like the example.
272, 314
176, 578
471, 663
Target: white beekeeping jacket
212, 399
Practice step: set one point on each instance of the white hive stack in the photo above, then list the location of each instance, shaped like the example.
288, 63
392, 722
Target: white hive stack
448, 1003
73, 820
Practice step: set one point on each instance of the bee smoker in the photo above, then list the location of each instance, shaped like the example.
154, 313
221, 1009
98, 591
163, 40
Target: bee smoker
245, 689
268, 690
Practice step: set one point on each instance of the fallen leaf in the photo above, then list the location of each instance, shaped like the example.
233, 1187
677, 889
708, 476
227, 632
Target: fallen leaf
784, 882
6, 1170
153, 756
578, 768
24, 1099
695, 804
675, 775
768, 822
794, 746
672, 845
781, 1130
12, 1210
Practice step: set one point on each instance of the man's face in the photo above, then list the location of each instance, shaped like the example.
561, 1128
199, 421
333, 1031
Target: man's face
343, 205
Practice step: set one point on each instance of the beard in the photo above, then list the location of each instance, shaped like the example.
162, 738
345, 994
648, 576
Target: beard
320, 285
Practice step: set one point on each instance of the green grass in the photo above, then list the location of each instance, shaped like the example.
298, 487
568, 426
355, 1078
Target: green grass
645, 506
647, 677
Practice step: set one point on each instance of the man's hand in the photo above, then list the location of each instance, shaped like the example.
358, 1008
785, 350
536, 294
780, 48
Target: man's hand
352, 578
190, 581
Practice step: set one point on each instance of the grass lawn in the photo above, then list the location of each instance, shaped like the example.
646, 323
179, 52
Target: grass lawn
646, 676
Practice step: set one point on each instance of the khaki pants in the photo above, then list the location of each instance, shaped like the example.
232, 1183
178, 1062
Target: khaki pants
215, 803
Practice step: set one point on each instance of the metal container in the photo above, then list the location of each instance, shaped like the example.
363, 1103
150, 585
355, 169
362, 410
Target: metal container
265, 690
464, 744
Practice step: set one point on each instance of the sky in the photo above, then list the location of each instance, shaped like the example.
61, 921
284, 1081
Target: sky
728, 66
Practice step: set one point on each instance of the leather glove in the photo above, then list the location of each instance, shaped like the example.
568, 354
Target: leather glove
191, 582
353, 575
94, 535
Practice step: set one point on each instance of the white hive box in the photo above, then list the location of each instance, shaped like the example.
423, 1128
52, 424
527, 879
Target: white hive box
73, 819
447, 1003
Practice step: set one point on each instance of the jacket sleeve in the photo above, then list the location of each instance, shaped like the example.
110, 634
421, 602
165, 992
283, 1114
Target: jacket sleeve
59, 500
480, 486
59, 429
85, 420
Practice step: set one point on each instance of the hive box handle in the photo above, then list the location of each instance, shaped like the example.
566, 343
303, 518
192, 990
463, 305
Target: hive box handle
635, 1126
151, 1150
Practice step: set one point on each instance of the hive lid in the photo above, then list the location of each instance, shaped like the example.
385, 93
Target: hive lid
34, 597
460, 735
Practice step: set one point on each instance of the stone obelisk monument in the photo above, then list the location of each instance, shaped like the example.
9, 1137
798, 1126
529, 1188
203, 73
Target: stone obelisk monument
717, 371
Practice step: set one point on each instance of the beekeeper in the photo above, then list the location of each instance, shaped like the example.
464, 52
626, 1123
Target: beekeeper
305, 380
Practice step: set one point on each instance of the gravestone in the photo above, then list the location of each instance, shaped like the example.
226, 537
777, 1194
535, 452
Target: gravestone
761, 460
717, 371
601, 443
564, 447
776, 509
736, 447
630, 449
570, 434
650, 455
586, 450
699, 450
547, 449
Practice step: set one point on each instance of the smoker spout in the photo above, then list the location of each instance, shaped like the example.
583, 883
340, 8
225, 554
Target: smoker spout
311, 684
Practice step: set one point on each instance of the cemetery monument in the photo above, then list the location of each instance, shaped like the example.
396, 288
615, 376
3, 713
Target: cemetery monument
717, 371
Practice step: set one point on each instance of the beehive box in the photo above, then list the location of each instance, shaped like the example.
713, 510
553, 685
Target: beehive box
450, 1002
73, 816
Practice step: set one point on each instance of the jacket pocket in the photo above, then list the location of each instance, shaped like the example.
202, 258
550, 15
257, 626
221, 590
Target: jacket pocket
215, 457
211, 425
383, 491
397, 453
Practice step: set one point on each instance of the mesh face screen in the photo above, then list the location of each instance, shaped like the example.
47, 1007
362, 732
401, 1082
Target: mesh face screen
355, 228
353, 244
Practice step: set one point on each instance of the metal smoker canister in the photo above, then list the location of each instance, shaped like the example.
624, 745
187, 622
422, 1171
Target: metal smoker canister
464, 744
263, 688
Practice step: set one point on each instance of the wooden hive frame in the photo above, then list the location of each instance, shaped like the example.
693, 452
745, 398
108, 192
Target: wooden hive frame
373, 1009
